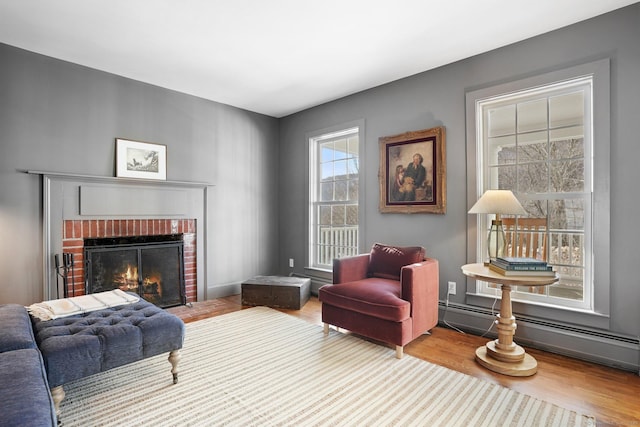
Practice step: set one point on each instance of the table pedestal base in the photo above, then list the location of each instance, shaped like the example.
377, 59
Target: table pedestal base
514, 354
503, 355
523, 368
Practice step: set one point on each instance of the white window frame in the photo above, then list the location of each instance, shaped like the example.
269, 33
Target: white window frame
314, 140
486, 160
597, 302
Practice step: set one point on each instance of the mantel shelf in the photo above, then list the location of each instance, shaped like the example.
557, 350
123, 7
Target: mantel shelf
111, 179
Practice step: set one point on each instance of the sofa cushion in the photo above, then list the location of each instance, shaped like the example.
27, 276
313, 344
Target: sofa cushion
24, 393
387, 261
376, 297
15, 332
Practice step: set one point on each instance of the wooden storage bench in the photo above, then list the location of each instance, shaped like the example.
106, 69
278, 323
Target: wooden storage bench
276, 291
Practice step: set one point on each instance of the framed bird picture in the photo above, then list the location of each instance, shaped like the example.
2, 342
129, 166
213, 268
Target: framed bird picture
136, 159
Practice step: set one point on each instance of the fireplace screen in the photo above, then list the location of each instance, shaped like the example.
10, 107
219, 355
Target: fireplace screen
150, 266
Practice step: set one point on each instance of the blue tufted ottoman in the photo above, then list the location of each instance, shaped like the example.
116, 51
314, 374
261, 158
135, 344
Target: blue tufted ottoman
77, 346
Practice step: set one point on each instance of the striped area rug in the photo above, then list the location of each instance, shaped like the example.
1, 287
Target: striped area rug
260, 367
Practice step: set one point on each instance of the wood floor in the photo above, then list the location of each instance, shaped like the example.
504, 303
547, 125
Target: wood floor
611, 395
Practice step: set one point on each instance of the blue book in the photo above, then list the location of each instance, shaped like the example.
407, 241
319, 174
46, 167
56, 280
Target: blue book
534, 265
522, 272
521, 261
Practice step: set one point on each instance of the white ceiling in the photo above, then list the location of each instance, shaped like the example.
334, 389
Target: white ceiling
278, 57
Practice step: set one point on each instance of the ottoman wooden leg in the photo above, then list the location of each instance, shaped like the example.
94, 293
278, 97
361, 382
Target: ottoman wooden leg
57, 393
174, 358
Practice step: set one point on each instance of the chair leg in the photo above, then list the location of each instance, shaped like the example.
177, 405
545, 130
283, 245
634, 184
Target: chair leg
399, 351
326, 329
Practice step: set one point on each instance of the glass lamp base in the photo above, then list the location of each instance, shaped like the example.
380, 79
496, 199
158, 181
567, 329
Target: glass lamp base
497, 240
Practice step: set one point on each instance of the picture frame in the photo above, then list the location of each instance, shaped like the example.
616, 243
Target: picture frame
143, 160
412, 172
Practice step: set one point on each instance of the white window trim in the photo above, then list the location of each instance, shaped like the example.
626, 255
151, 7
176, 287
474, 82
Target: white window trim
321, 134
599, 316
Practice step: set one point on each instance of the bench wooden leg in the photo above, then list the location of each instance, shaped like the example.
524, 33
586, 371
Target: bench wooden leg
57, 393
174, 358
326, 328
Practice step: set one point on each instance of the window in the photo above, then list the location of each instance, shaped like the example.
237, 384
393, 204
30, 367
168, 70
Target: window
536, 138
537, 144
334, 177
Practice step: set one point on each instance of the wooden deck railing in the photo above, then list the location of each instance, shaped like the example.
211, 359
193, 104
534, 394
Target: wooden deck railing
336, 243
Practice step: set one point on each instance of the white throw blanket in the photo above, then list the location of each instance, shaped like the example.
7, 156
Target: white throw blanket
48, 310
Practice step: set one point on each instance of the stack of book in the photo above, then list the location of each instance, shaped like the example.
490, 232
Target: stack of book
515, 266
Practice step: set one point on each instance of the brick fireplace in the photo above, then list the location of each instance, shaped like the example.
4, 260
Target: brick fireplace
75, 231
79, 207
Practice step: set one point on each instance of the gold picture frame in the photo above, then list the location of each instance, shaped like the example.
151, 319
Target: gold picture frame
144, 160
412, 172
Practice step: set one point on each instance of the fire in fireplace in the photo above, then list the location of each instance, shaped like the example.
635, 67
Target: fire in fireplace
150, 266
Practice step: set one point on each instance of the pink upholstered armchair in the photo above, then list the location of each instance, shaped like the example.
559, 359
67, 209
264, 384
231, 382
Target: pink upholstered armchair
389, 295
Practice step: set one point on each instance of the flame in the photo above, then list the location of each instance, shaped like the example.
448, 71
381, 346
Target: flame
128, 279
131, 273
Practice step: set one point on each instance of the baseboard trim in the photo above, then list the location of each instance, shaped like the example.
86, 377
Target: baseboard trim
592, 345
221, 291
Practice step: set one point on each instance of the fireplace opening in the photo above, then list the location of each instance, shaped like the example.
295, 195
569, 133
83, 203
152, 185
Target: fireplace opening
150, 266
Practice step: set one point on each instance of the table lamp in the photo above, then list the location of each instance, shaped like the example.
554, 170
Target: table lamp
497, 202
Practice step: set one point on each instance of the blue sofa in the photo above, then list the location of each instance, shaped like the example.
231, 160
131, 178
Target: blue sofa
24, 391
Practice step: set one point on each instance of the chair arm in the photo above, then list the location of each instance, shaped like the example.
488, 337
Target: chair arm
420, 283
350, 269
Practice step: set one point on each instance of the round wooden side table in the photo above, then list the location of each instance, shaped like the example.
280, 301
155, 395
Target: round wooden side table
503, 355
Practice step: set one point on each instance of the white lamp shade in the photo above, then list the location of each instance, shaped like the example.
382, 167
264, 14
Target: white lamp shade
498, 202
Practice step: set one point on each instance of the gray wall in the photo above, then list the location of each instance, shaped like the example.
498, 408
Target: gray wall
61, 117
437, 98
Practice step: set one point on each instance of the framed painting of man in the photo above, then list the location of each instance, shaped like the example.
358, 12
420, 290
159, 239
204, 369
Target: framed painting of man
413, 172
